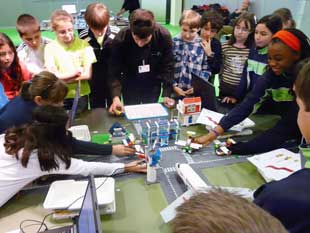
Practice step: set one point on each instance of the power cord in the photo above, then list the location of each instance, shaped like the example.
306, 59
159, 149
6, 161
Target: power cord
41, 223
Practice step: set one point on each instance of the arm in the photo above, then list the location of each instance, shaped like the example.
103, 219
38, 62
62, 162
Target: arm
89, 59
246, 107
215, 61
166, 73
114, 72
285, 129
50, 65
238, 113
83, 147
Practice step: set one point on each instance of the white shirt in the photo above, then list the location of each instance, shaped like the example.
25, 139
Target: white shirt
13, 176
33, 59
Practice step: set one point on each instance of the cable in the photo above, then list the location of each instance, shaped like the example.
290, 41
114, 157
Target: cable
44, 221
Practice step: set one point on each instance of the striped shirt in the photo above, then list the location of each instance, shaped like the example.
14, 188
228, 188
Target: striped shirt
233, 63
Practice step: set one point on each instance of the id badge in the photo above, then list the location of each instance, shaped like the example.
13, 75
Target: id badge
143, 68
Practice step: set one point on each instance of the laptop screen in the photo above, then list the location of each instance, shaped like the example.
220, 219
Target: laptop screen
89, 220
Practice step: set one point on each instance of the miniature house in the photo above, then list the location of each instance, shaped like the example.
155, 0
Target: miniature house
189, 110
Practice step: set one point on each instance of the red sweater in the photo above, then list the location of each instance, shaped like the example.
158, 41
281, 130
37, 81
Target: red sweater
10, 84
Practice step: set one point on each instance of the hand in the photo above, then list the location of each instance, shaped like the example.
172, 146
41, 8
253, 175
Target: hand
229, 100
189, 91
206, 45
122, 150
116, 107
135, 166
168, 102
210, 137
179, 91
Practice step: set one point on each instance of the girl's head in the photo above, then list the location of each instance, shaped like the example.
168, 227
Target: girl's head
265, 28
286, 48
302, 91
47, 134
8, 55
97, 18
62, 24
190, 25
211, 23
243, 29
286, 17
45, 89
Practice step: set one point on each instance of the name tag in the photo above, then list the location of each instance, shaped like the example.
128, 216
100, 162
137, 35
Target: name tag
143, 69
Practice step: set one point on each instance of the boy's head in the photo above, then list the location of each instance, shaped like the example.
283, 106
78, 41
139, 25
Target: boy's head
62, 24
211, 23
28, 28
302, 90
142, 23
97, 17
221, 212
190, 25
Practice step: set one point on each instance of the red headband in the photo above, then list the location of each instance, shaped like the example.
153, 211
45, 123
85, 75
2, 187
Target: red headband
289, 39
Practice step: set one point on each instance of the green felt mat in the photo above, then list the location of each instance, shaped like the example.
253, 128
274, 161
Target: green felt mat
243, 175
137, 208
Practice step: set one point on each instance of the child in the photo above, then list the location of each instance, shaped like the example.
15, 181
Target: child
235, 54
99, 35
12, 72
218, 211
34, 150
273, 90
31, 51
46, 89
288, 199
211, 23
188, 54
257, 61
70, 58
286, 16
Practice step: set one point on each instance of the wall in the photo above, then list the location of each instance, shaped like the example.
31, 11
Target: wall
299, 8
42, 9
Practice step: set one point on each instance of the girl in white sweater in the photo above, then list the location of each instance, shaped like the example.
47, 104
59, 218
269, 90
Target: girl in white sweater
41, 148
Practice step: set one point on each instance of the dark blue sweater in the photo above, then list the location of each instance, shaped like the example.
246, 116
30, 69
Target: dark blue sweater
254, 68
288, 200
19, 111
215, 62
273, 93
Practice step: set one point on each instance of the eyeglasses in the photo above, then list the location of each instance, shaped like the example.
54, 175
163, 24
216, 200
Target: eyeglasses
241, 29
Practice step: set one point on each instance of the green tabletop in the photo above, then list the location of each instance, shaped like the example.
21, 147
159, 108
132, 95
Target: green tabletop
137, 205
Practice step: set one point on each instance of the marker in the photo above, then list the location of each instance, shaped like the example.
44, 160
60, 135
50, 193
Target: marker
117, 112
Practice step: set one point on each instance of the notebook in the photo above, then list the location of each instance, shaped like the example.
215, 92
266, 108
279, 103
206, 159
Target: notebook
88, 220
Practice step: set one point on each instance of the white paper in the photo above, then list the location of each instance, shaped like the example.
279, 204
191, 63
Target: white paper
276, 164
143, 111
211, 119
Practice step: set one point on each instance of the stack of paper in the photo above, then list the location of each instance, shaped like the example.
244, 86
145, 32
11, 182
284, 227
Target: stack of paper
211, 119
145, 111
276, 164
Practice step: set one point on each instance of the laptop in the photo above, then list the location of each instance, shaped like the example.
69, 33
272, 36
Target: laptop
206, 91
88, 220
